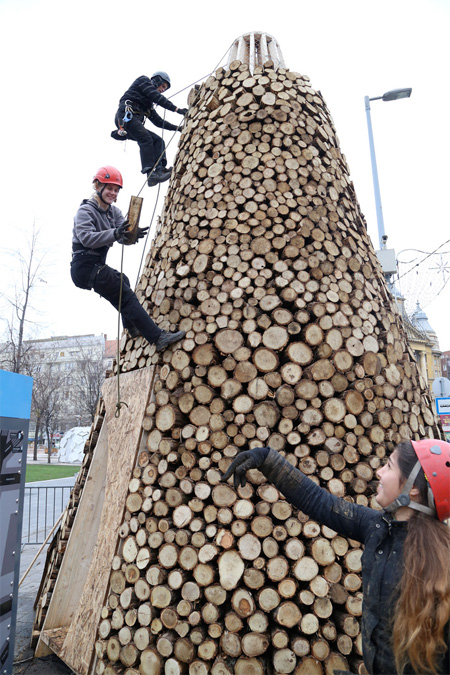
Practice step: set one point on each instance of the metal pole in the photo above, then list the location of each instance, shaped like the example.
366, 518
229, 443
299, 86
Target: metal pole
376, 186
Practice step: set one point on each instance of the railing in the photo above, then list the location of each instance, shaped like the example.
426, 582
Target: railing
42, 508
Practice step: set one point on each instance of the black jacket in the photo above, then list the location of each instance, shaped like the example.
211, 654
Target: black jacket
383, 540
143, 96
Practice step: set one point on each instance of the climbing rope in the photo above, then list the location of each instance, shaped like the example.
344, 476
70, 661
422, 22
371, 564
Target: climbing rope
119, 403
204, 76
128, 113
148, 233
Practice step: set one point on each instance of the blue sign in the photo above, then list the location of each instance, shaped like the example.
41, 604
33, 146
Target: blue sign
443, 406
15, 405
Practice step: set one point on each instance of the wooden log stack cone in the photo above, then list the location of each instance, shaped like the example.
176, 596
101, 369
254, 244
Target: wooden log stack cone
292, 340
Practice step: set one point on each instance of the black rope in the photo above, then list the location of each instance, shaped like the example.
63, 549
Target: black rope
204, 76
148, 233
120, 403
157, 196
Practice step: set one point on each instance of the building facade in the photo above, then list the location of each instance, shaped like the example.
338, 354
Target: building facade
445, 364
423, 341
72, 369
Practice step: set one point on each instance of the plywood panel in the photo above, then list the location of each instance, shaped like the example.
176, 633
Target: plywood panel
80, 547
124, 434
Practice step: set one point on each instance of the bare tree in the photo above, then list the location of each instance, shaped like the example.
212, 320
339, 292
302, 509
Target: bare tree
87, 387
45, 403
31, 270
51, 415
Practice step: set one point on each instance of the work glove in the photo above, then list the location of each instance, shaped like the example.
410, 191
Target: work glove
182, 111
249, 459
141, 232
121, 234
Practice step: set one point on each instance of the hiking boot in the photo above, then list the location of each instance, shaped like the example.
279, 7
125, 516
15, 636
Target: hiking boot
159, 175
133, 332
166, 339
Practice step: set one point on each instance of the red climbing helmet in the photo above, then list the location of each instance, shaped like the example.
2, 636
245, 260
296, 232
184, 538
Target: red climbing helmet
109, 174
434, 458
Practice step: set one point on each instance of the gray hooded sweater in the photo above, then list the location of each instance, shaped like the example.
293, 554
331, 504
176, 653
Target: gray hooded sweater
93, 226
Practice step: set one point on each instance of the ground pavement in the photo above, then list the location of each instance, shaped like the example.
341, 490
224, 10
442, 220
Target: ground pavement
24, 661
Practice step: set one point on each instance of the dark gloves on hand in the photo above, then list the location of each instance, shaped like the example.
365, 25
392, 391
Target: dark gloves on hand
250, 459
120, 233
141, 232
182, 111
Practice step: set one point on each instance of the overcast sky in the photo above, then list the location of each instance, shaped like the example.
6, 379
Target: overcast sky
65, 66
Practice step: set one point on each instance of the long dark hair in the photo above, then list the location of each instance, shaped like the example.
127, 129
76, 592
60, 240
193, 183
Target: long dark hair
423, 608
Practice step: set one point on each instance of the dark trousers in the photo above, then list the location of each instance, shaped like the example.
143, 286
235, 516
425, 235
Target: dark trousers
151, 146
88, 272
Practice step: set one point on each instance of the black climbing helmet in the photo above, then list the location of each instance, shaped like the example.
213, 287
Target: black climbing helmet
160, 77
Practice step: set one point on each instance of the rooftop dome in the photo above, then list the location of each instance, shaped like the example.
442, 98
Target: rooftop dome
420, 320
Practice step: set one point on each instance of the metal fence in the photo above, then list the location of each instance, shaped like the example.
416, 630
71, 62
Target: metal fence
42, 508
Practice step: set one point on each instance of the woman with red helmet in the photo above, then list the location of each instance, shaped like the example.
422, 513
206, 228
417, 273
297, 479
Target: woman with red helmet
406, 560
98, 224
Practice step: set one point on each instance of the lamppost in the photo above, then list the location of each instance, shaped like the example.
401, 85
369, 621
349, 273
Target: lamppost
393, 95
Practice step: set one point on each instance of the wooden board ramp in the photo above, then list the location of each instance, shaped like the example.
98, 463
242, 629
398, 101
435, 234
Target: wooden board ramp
58, 545
70, 625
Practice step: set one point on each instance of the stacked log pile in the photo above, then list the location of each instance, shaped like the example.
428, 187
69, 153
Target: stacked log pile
57, 547
293, 341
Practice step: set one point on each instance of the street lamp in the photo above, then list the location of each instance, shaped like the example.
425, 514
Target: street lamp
392, 95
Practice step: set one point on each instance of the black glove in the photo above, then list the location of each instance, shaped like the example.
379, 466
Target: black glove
250, 459
182, 111
121, 234
141, 232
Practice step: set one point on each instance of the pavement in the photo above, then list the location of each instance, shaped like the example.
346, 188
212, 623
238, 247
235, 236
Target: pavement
24, 660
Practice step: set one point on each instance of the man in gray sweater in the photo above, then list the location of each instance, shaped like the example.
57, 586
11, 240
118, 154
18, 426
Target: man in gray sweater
98, 224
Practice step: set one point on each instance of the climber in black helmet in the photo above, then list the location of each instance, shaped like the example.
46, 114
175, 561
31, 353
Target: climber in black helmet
138, 103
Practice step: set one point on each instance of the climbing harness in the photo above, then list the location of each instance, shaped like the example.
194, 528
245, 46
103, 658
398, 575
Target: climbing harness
126, 118
122, 132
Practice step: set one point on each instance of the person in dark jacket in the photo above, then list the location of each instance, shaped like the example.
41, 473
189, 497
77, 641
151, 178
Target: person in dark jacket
98, 224
406, 559
135, 106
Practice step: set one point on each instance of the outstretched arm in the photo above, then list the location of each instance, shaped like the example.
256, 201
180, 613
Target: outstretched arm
150, 94
350, 520
159, 122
